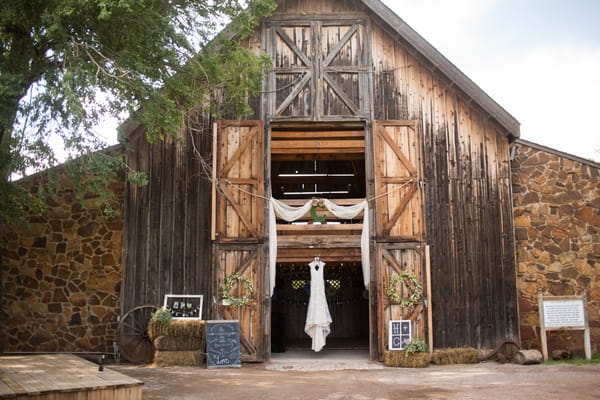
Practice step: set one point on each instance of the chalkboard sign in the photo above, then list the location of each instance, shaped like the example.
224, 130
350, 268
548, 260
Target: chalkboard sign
223, 344
399, 334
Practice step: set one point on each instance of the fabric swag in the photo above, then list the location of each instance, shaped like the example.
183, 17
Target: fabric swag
290, 214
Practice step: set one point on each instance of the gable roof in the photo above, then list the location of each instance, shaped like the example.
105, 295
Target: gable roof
444, 66
438, 63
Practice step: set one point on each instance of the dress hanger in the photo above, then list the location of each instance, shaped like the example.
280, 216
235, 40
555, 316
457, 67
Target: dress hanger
318, 262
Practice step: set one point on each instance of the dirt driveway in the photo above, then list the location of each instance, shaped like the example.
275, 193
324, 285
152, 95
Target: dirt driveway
480, 381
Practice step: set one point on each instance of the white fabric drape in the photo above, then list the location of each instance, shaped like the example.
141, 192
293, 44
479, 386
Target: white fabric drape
290, 214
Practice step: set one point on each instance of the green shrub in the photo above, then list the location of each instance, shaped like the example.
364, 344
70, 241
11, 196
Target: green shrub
161, 315
416, 346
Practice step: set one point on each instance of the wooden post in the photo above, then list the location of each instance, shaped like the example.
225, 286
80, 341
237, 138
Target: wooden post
213, 215
587, 343
542, 326
429, 302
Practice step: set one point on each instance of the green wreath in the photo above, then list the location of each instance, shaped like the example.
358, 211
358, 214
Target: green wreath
313, 211
228, 285
406, 278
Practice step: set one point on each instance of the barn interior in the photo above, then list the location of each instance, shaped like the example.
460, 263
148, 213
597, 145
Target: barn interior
317, 162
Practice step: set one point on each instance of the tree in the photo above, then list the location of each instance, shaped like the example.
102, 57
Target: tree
65, 64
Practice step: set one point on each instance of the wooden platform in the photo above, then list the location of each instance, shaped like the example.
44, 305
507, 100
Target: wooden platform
62, 376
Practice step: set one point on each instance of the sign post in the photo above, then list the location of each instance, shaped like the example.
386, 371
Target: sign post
563, 313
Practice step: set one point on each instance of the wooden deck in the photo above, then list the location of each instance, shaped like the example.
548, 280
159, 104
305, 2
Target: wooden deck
63, 376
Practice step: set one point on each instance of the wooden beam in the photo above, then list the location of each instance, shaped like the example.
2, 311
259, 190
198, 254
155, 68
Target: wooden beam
323, 229
328, 255
308, 134
312, 156
317, 145
429, 299
318, 241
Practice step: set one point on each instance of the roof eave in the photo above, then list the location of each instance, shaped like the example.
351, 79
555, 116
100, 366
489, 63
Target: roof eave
444, 66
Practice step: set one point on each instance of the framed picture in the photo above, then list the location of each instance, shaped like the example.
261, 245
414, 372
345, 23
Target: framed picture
400, 334
184, 306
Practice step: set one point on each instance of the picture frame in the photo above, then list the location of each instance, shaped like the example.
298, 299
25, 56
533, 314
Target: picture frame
184, 306
400, 334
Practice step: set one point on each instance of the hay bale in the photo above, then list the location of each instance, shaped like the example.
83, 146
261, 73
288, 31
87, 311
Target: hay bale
177, 328
399, 358
466, 355
178, 343
189, 358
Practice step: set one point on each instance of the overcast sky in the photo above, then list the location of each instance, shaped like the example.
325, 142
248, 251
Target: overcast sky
539, 59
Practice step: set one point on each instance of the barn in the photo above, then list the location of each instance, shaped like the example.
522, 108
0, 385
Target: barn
358, 113
367, 150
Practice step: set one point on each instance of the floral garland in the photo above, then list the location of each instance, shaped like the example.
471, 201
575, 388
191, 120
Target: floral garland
228, 285
406, 278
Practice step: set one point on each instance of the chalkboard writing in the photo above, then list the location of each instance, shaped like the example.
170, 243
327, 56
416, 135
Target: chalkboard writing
563, 313
223, 344
399, 334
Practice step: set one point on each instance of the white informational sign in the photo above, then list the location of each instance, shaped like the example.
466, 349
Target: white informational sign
564, 314
400, 334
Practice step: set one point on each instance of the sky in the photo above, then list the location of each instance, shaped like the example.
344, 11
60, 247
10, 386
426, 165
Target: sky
538, 59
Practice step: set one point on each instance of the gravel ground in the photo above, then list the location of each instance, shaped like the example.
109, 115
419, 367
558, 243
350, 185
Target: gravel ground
487, 380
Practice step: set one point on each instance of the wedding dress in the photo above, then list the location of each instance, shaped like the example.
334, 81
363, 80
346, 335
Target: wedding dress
318, 318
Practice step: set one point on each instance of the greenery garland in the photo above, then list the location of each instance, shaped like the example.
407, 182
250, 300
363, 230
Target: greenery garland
228, 285
406, 278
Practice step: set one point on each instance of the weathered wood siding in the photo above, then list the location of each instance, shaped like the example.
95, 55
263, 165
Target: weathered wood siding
467, 196
167, 223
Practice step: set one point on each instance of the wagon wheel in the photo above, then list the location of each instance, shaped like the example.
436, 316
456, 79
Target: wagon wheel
134, 344
504, 351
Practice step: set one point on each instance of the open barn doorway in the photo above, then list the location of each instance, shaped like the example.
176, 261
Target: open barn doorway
347, 301
316, 162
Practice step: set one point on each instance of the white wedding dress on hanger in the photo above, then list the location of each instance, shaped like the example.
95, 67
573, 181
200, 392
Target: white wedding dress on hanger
318, 318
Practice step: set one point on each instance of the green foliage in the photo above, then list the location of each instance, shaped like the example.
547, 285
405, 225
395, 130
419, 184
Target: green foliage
577, 361
161, 315
416, 346
66, 64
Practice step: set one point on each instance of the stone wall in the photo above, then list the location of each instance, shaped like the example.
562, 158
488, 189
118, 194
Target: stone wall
557, 227
61, 275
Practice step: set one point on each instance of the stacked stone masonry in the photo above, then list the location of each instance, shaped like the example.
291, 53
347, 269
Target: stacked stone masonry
556, 200
61, 275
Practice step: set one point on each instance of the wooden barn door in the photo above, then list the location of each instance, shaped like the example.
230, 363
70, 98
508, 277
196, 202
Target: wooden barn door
238, 221
396, 259
398, 224
397, 162
248, 261
320, 70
